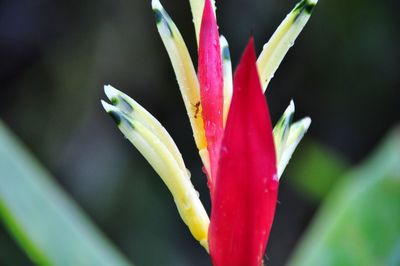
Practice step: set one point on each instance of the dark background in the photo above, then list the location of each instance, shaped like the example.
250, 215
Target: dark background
55, 57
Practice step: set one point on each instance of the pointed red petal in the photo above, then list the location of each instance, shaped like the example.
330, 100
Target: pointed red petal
211, 84
246, 186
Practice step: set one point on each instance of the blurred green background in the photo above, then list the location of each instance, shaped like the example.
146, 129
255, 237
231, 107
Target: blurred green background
343, 72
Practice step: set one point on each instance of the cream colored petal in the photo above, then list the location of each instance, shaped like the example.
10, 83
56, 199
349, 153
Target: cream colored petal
287, 136
136, 112
227, 70
184, 71
275, 50
297, 131
281, 130
197, 7
177, 180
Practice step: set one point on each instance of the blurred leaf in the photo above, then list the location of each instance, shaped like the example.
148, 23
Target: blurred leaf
47, 224
359, 224
315, 170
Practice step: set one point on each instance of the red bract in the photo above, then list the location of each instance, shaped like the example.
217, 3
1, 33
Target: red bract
246, 185
211, 86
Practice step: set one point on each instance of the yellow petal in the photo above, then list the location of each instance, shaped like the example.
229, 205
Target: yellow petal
163, 162
275, 50
136, 112
184, 71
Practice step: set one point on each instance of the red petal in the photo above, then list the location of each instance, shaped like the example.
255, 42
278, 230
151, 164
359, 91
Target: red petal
246, 187
211, 84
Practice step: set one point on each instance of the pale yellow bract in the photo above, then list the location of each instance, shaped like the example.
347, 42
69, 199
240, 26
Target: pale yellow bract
149, 137
283, 38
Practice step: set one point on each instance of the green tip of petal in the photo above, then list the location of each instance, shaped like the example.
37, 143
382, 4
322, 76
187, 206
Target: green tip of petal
226, 56
116, 114
109, 108
112, 93
158, 11
304, 7
118, 117
281, 129
119, 99
283, 38
163, 21
287, 136
289, 113
227, 71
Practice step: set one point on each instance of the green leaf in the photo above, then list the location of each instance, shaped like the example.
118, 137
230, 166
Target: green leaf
359, 223
315, 170
45, 222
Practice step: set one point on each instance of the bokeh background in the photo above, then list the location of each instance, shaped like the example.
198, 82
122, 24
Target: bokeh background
55, 56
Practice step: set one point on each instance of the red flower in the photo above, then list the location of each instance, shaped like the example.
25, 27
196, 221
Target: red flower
246, 185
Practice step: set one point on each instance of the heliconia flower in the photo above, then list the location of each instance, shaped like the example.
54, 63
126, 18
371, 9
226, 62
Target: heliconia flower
243, 157
246, 185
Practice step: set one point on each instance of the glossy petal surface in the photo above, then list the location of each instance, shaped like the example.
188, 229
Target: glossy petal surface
211, 85
246, 185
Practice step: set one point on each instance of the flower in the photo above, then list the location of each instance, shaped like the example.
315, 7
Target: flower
246, 185
243, 156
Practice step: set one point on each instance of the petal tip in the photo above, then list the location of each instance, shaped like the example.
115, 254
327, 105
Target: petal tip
305, 123
108, 107
291, 107
110, 92
115, 113
223, 40
155, 4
